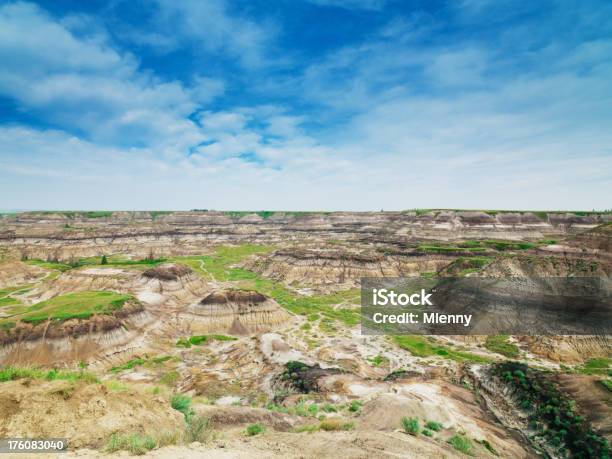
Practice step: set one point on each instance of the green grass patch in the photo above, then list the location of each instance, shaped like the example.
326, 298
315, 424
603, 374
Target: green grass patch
462, 443
421, 347
501, 345
136, 444
198, 340
79, 305
54, 265
128, 365
219, 267
11, 373
255, 429
8, 301
597, 366
378, 360
475, 246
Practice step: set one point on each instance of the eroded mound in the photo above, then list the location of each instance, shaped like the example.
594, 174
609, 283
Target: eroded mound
167, 272
236, 311
234, 296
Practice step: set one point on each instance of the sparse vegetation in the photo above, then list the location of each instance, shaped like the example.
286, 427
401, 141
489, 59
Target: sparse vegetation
597, 366
331, 425
136, 444
606, 383
421, 347
501, 345
11, 373
219, 267
198, 340
433, 425
378, 360
488, 446
551, 412
128, 365
462, 443
198, 428
78, 305
255, 429
410, 425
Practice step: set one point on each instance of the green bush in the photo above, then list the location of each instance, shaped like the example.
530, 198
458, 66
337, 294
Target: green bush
182, 403
461, 443
435, 426
501, 345
329, 408
355, 406
427, 433
549, 407
255, 429
410, 425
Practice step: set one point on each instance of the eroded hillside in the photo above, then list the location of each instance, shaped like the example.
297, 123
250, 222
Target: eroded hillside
242, 331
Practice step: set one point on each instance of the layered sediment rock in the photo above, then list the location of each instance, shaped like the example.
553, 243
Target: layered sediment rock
339, 268
74, 340
65, 235
236, 312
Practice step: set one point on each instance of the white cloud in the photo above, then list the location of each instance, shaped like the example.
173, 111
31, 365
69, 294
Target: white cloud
210, 26
84, 85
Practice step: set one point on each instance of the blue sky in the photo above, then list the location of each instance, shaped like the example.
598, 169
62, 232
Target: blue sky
305, 104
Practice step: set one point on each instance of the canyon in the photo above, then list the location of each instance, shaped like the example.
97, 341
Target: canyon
254, 318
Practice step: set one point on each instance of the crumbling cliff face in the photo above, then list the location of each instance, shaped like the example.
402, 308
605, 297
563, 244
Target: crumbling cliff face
66, 235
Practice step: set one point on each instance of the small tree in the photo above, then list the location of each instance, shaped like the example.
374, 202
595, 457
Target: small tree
104, 260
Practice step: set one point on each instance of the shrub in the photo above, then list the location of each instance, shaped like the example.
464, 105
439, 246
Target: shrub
182, 403
410, 425
355, 406
427, 433
330, 425
255, 429
461, 443
134, 443
435, 426
329, 408
198, 429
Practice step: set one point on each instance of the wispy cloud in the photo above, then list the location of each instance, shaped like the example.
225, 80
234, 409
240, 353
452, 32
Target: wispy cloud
419, 110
